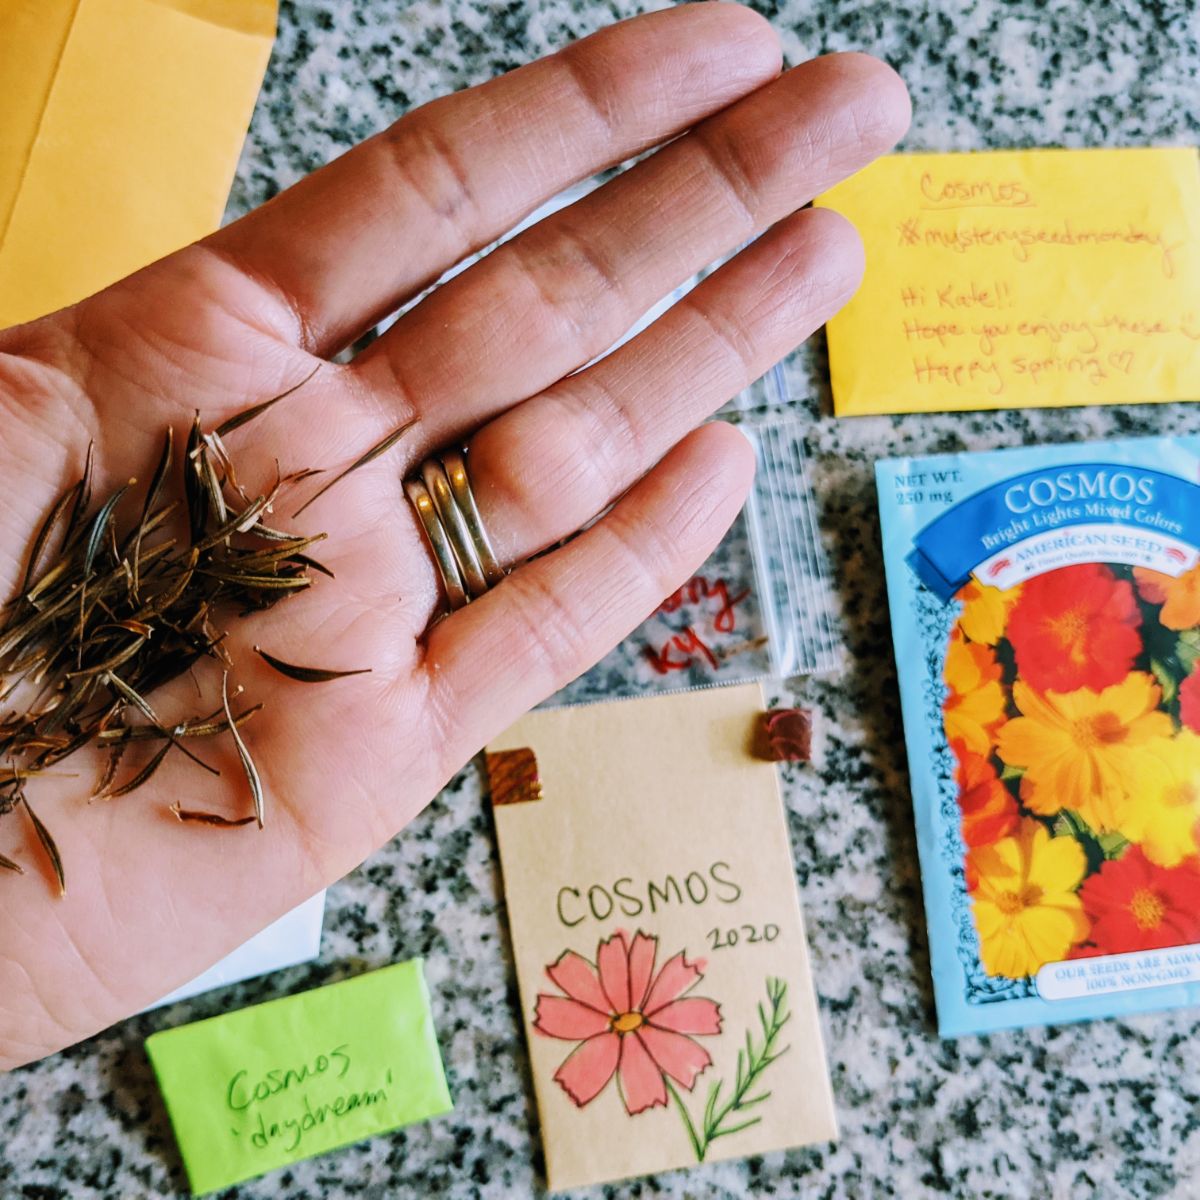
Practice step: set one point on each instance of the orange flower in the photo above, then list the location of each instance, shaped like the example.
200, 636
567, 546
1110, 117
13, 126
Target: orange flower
985, 611
988, 809
1076, 627
975, 708
1085, 750
1189, 700
1180, 598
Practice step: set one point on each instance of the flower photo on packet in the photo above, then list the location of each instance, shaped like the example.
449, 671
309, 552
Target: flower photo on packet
1081, 796
1054, 594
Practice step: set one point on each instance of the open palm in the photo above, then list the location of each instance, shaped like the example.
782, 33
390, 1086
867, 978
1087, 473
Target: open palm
486, 360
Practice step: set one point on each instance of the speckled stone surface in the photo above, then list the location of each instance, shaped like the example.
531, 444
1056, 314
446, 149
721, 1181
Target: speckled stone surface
1109, 1110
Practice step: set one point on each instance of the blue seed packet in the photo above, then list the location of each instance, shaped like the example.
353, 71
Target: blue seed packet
1045, 606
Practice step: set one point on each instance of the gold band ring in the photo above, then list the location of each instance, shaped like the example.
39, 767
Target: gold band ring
455, 464
445, 505
434, 477
439, 543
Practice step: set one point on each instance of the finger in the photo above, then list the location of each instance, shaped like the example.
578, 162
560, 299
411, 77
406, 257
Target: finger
546, 467
351, 242
553, 298
556, 616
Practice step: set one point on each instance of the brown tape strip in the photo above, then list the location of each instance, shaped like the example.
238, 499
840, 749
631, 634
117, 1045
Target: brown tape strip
513, 775
787, 735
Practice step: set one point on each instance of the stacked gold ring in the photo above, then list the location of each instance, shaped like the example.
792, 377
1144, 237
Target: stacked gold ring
441, 494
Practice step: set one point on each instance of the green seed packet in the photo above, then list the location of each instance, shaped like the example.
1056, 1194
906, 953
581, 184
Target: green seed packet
269, 1085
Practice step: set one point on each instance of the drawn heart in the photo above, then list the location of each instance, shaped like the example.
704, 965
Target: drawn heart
1122, 361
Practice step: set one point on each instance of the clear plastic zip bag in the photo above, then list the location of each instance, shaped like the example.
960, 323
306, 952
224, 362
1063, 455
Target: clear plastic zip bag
761, 606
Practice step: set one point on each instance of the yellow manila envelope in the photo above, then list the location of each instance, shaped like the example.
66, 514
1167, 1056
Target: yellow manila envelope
1021, 279
660, 951
120, 131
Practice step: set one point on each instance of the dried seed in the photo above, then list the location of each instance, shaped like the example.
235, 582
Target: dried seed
244, 418
207, 818
165, 460
49, 846
256, 788
380, 448
144, 708
45, 532
305, 674
114, 761
136, 782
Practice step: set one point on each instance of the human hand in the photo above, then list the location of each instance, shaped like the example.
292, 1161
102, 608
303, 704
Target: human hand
488, 357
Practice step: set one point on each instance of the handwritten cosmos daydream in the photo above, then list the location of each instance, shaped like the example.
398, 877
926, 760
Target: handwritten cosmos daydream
298, 1111
1029, 278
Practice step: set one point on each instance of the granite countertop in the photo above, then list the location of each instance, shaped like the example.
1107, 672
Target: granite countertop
1106, 1110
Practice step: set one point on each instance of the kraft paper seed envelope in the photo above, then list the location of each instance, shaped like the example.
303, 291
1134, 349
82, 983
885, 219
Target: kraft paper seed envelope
658, 937
1013, 279
264, 1086
120, 132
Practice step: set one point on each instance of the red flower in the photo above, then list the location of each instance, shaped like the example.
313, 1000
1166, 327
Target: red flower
1076, 627
628, 1020
989, 811
1135, 905
1189, 700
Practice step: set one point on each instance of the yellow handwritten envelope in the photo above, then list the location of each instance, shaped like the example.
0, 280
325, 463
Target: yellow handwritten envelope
660, 951
120, 130
1021, 279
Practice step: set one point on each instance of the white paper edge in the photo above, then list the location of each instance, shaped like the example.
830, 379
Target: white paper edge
294, 938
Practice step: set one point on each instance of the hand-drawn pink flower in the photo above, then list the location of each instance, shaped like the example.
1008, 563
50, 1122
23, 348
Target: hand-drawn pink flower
628, 1021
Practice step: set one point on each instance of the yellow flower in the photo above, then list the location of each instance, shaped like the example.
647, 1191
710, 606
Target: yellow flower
1085, 750
1163, 820
975, 707
1026, 910
985, 611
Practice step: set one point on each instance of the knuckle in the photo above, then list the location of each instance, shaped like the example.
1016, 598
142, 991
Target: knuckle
430, 166
573, 280
608, 447
551, 628
591, 87
729, 334
734, 175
